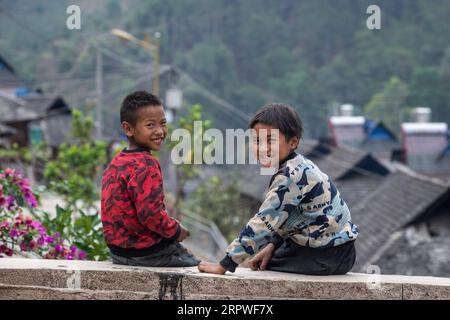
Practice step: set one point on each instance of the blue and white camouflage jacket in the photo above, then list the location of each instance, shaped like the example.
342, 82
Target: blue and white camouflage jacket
302, 204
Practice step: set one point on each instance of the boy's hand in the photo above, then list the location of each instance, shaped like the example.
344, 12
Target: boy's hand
262, 258
209, 267
184, 233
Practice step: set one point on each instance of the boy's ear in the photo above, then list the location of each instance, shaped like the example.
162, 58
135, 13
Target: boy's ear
293, 144
127, 128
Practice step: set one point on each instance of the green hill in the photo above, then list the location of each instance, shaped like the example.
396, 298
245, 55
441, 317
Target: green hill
310, 53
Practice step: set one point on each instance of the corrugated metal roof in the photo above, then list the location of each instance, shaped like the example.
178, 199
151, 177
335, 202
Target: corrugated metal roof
31, 107
355, 188
400, 198
15, 110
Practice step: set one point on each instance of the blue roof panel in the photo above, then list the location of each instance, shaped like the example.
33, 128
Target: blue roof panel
379, 133
21, 92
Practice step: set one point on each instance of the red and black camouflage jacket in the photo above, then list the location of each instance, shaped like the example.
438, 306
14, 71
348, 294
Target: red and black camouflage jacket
132, 205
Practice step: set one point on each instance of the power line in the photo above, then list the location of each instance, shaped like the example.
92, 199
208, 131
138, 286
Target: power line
24, 26
77, 63
41, 81
119, 58
208, 94
111, 94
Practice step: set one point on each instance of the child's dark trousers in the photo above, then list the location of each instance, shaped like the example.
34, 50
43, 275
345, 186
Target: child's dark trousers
291, 257
171, 254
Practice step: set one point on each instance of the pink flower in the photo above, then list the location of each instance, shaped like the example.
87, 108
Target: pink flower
10, 202
19, 220
23, 246
8, 252
30, 198
81, 255
13, 177
2, 196
49, 239
58, 248
9, 172
41, 241
4, 225
13, 233
36, 225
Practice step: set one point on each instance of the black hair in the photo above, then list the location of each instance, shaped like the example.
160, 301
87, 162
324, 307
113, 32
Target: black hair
280, 116
134, 101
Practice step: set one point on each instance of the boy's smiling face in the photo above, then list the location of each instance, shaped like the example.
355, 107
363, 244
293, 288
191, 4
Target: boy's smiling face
270, 145
150, 128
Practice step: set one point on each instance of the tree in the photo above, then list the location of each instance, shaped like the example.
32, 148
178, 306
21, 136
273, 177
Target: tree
212, 63
74, 175
388, 104
235, 48
188, 170
74, 172
430, 88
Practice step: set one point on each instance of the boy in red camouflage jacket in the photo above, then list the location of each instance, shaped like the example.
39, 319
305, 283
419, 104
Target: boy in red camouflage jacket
136, 227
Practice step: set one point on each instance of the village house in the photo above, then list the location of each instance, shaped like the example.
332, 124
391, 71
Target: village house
29, 115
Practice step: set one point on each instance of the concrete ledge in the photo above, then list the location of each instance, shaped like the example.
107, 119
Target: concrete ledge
61, 279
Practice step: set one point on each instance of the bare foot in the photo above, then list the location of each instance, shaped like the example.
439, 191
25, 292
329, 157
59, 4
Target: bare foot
209, 267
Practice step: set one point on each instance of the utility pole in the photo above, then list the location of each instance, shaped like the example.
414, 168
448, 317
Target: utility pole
152, 45
156, 63
99, 87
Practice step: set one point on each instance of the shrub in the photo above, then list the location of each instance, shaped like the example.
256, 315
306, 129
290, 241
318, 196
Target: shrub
20, 233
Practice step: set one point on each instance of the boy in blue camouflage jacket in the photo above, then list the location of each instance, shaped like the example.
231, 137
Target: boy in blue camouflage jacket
303, 226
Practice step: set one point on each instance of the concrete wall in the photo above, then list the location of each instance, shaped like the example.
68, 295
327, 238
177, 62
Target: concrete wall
61, 279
